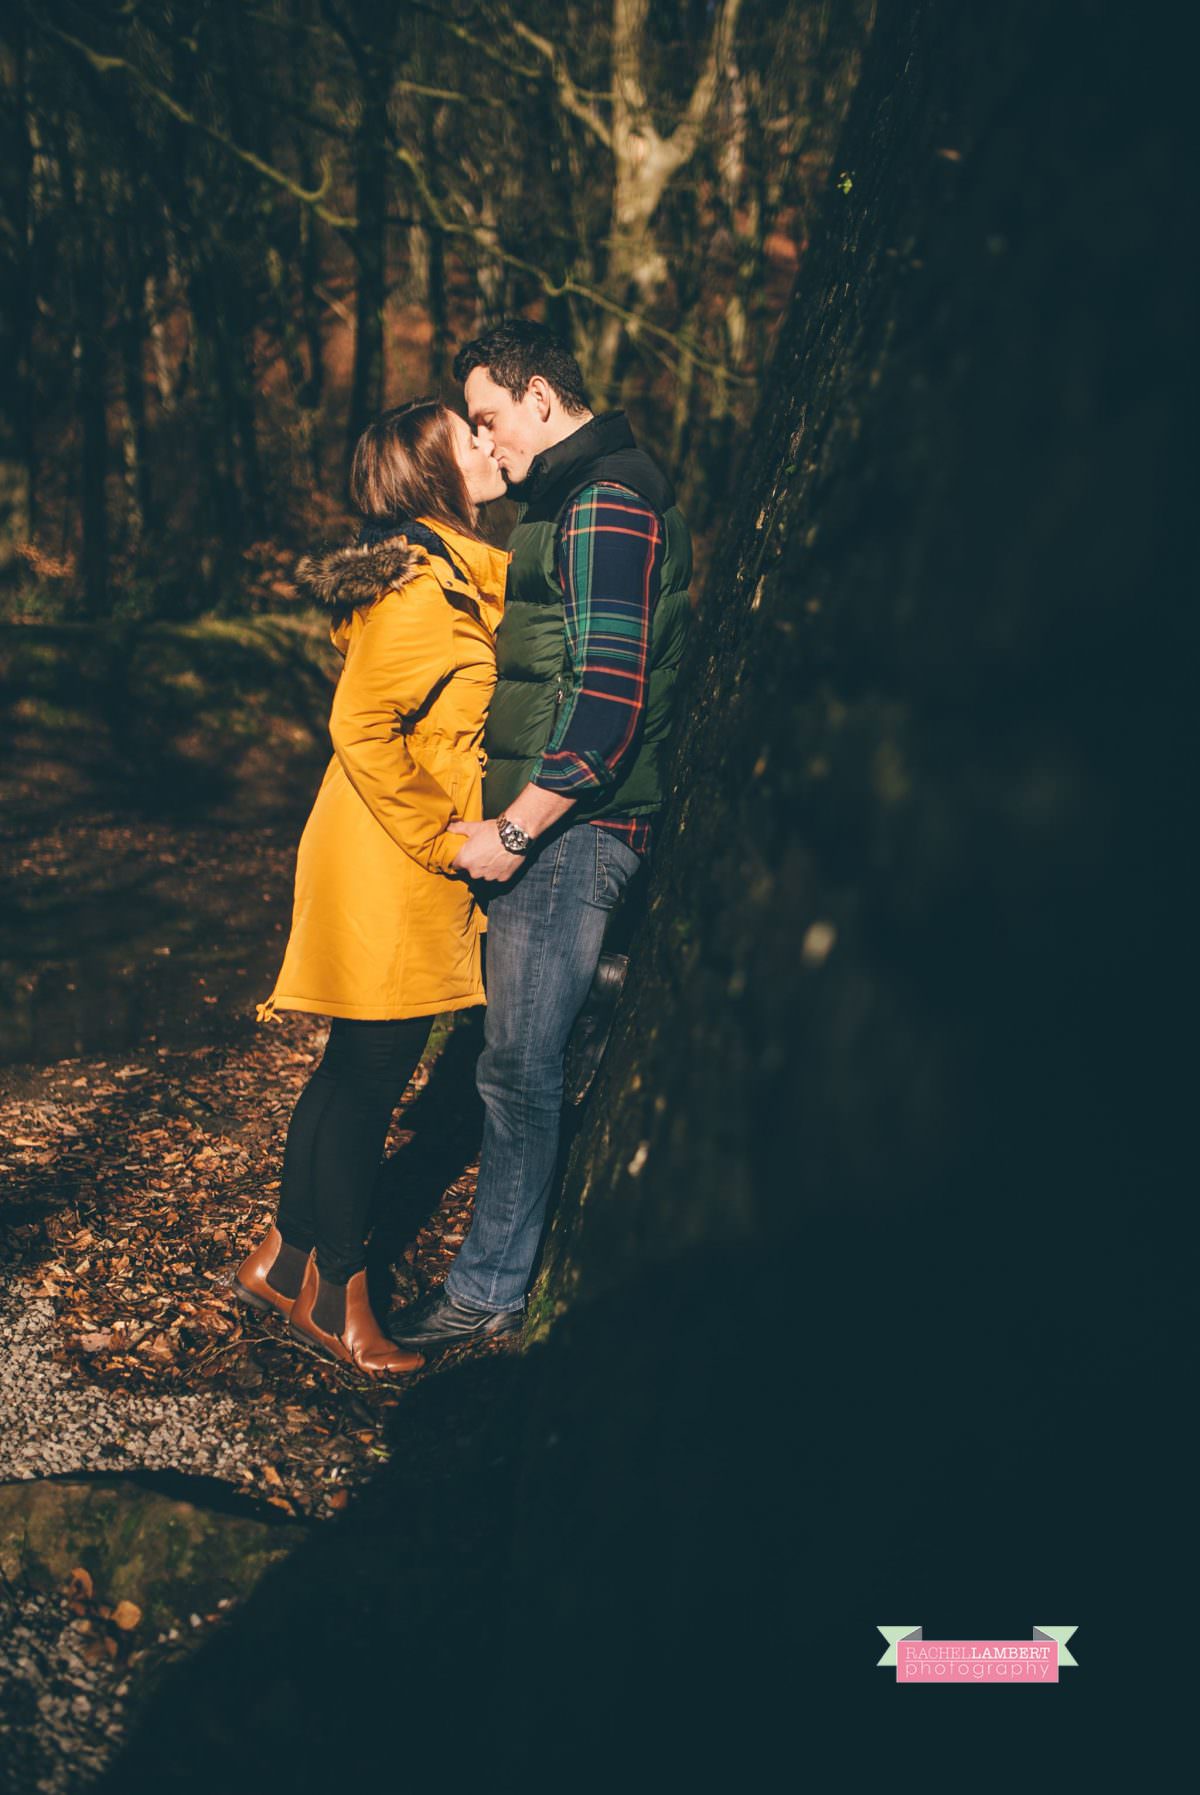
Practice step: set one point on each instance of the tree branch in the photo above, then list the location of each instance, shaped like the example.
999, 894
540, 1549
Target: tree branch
570, 95
635, 322
478, 44
358, 55
629, 36
720, 50
454, 94
107, 65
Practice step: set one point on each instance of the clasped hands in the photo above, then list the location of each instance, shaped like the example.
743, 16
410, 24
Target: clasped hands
483, 855
534, 810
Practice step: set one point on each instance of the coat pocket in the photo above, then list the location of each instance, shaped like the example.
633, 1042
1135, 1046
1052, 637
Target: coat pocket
459, 775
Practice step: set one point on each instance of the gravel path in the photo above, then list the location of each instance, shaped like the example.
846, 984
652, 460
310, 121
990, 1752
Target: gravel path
54, 1425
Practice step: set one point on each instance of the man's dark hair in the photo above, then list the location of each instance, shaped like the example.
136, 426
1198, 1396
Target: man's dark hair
517, 349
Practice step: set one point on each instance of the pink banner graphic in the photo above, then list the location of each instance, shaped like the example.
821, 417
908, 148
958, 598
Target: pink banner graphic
977, 1661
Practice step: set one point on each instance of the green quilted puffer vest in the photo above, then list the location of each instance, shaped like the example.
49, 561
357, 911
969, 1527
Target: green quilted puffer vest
529, 708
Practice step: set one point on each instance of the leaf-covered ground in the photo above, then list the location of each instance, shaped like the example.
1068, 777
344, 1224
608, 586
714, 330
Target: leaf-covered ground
136, 1183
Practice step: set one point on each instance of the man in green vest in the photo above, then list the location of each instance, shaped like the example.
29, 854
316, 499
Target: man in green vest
587, 653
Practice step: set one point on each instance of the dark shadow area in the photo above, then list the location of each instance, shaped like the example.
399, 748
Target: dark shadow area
670, 1532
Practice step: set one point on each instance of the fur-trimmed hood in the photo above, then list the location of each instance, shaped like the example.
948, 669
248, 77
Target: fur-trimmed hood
341, 579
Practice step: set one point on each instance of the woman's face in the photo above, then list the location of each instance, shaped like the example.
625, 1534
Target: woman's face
483, 478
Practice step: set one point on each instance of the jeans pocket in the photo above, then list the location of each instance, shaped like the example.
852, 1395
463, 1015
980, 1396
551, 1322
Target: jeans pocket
615, 866
559, 850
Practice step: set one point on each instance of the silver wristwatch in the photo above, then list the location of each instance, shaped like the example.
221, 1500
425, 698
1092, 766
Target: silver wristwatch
513, 837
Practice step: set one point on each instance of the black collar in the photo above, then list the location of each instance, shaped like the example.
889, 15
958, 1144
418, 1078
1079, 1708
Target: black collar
568, 459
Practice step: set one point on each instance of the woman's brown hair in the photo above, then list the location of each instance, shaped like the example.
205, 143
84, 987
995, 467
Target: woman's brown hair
404, 466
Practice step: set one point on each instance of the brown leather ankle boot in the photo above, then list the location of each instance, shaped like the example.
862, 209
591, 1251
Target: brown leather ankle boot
250, 1284
361, 1341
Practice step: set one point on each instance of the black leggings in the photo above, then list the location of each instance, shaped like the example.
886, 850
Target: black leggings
336, 1137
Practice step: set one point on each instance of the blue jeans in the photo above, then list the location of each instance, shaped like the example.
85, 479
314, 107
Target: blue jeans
544, 935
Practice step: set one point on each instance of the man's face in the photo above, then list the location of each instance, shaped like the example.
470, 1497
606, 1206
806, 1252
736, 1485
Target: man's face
513, 430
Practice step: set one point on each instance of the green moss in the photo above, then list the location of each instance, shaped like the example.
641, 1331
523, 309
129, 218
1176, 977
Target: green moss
170, 1558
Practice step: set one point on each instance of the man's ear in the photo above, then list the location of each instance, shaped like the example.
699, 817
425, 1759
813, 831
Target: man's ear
542, 394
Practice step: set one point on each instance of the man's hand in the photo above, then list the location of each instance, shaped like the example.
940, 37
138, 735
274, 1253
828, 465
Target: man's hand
484, 855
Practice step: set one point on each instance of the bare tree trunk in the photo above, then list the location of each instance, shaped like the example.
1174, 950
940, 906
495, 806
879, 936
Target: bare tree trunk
18, 441
238, 359
211, 360
86, 252
93, 415
213, 401
139, 498
644, 162
418, 264
681, 413
164, 375
371, 156
310, 307
489, 270
312, 390
289, 343
250, 125
439, 314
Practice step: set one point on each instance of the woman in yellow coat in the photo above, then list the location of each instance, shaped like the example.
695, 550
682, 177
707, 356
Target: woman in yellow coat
385, 934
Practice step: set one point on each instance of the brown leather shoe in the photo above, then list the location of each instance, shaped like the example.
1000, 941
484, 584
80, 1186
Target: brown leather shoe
361, 1341
250, 1284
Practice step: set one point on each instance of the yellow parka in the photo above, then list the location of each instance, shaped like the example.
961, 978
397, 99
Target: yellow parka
381, 927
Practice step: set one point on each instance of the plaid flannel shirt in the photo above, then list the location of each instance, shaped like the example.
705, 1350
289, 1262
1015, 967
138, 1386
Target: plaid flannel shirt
609, 562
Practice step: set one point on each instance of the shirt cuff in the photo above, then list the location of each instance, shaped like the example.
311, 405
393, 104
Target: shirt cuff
568, 772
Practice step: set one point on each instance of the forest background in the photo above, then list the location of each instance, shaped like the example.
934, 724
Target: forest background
233, 232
